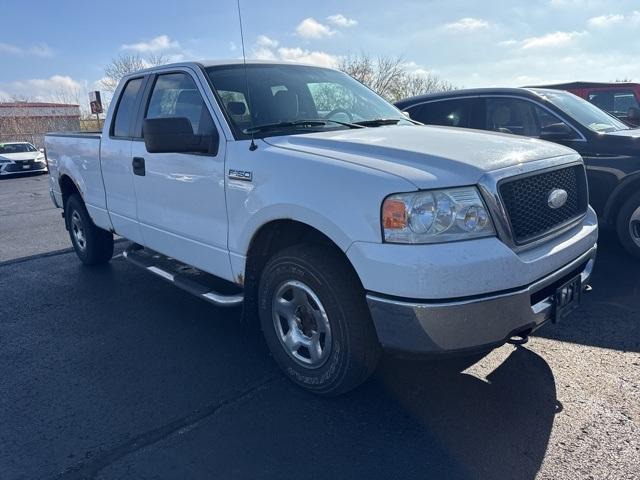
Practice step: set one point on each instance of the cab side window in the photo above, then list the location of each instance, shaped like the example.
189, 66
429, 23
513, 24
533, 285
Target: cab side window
522, 117
176, 95
450, 113
124, 116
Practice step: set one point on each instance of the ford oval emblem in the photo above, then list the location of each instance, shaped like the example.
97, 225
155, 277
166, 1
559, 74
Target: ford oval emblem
557, 198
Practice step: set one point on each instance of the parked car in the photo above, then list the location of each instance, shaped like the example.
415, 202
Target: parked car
19, 157
610, 149
342, 225
621, 99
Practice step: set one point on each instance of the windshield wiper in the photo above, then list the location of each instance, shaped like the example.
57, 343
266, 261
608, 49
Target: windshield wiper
378, 122
269, 127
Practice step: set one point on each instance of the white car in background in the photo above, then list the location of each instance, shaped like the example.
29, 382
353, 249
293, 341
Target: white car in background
17, 157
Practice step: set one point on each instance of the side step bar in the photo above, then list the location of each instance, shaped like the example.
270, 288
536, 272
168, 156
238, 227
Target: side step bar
198, 283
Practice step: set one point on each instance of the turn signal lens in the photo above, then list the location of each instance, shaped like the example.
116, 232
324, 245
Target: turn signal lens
394, 214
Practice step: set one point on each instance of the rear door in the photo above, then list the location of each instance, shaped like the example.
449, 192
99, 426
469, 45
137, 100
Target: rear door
181, 196
115, 160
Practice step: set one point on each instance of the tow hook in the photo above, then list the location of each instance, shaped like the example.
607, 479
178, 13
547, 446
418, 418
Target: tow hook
518, 339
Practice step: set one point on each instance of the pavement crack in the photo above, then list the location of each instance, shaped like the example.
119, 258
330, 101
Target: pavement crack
90, 469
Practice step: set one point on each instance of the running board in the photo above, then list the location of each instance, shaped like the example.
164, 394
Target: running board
201, 284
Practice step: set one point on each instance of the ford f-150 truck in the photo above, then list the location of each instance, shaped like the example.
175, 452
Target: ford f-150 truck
341, 224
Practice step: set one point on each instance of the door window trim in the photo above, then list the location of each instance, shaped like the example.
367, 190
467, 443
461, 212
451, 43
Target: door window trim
135, 109
581, 138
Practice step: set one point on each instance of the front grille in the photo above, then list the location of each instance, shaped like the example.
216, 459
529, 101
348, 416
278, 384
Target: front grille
526, 200
19, 166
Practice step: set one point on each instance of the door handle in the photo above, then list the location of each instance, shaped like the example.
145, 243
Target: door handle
138, 166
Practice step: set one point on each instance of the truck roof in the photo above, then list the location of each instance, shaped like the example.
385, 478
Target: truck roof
222, 62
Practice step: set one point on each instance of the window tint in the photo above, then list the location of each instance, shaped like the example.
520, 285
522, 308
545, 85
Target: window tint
614, 101
451, 113
176, 95
521, 117
124, 117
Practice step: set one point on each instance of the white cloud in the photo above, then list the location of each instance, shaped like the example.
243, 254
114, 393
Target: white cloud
507, 43
299, 55
158, 44
311, 28
340, 20
266, 42
555, 39
467, 24
604, 21
59, 88
267, 48
232, 46
41, 50
264, 48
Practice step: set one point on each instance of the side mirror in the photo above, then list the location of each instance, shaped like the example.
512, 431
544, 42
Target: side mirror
175, 135
557, 132
41, 150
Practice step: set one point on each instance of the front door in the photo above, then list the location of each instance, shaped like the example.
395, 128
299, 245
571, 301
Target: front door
115, 161
180, 196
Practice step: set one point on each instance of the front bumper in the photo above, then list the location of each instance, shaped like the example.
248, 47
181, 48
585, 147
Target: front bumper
22, 167
472, 323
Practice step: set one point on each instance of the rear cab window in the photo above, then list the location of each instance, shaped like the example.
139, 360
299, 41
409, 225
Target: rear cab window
617, 102
124, 118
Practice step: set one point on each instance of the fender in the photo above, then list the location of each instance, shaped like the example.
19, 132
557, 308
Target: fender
239, 247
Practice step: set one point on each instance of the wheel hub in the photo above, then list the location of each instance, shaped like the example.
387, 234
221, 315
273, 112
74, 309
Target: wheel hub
77, 230
634, 226
301, 324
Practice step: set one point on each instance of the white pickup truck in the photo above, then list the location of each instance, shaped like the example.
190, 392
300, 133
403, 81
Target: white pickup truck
341, 224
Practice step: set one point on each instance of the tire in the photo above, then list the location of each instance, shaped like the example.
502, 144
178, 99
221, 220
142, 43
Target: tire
93, 245
320, 295
628, 225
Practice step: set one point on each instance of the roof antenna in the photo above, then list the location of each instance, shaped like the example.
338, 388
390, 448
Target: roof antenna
253, 145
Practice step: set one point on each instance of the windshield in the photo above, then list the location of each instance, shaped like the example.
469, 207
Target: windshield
300, 98
6, 148
582, 111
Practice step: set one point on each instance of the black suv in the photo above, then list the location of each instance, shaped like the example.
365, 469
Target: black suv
611, 150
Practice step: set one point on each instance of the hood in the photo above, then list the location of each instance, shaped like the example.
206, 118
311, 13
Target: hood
630, 133
427, 156
21, 156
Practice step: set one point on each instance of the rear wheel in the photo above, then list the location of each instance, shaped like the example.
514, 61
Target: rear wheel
315, 320
628, 225
93, 245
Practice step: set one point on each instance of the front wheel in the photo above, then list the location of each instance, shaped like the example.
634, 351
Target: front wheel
628, 225
316, 321
92, 244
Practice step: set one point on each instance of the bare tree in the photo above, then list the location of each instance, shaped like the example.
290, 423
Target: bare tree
392, 77
126, 64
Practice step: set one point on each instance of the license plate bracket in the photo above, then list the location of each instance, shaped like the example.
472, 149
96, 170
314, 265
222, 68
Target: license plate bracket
567, 298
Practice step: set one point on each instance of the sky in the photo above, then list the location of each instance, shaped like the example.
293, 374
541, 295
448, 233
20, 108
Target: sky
51, 48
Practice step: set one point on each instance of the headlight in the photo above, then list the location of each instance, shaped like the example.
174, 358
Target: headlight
433, 216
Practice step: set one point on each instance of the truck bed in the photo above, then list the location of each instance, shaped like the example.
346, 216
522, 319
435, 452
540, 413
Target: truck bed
76, 155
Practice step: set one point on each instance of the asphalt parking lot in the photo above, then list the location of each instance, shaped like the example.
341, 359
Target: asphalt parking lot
111, 373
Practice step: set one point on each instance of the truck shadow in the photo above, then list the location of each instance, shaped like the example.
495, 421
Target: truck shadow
413, 420
610, 315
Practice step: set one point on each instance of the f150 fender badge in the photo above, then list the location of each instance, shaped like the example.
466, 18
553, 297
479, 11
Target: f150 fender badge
557, 198
240, 175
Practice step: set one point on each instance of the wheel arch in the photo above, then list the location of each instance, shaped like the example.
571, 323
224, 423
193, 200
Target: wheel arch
620, 194
275, 236
67, 188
